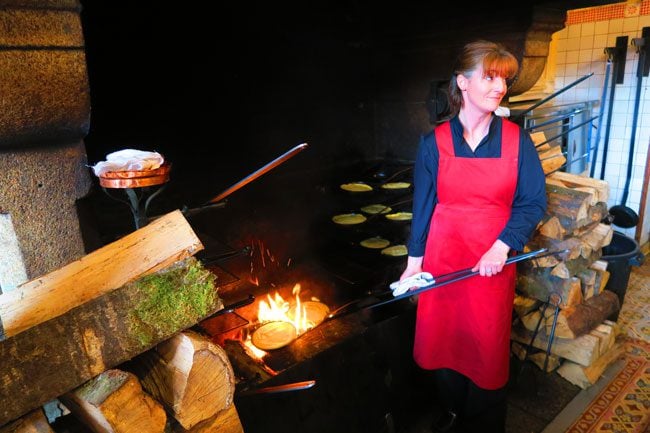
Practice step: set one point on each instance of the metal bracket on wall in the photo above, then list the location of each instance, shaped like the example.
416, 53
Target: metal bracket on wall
619, 54
643, 43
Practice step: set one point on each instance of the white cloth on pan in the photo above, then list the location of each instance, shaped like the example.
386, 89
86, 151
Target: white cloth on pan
129, 160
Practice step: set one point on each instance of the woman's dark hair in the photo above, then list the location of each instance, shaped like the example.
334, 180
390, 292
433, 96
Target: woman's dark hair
495, 59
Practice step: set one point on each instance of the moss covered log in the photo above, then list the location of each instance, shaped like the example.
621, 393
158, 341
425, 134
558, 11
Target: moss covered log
61, 354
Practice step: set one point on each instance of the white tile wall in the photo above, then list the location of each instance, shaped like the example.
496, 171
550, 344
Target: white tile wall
580, 51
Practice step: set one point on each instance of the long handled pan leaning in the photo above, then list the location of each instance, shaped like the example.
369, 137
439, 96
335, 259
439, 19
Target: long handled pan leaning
618, 54
216, 201
608, 68
624, 216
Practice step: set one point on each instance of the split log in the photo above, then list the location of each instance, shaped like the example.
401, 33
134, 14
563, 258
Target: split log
585, 376
580, 256
567, 203
531, 320
607, 335
542, 285
226, 421
599, 237
551, 158
524, 305
539, 359
576, 181
538, 138
151, 248
59, 355
190, 375
579, 319
599, 265
33, 422
583, 350
561, 226
114, 402
588, 282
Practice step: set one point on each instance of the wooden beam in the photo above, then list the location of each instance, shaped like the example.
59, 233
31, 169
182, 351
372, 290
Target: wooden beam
54, 357
153, 247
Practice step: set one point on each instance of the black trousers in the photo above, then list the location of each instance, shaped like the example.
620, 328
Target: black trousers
477, 409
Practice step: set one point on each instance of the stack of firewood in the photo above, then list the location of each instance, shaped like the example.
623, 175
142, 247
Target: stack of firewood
564, 294
107, 335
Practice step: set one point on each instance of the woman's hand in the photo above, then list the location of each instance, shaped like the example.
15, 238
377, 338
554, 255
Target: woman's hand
413, 266
493, 260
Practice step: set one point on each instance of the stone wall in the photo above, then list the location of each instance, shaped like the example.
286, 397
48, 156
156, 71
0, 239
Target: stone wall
45, 108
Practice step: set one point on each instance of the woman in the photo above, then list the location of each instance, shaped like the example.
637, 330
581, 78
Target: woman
479, 194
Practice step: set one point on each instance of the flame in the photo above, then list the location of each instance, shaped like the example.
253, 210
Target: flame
276, 308
252, 350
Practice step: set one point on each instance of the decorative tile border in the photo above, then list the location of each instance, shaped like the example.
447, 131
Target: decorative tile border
607, 12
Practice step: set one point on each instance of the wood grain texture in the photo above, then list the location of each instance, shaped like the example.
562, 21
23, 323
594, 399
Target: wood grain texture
153, 247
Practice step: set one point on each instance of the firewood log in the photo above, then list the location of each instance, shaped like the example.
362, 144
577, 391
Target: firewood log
114, 402
579, 319
602, 278
588, 281
567, 203
151, 248
33, 422
560, 224
190, 375
226, 421
585, 376
59, 355
541, 285
523, 305
583, 350
607, 335
551, 158
599, 237
531, 320
575, 181
539, 359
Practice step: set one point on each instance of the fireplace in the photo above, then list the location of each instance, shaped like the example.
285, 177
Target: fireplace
278, 233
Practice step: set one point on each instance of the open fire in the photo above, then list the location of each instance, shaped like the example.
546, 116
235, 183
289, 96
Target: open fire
280, 321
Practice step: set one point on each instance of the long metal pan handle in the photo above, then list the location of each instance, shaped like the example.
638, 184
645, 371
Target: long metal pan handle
573, 128
446, 279
551, 96
297, 386
251, 177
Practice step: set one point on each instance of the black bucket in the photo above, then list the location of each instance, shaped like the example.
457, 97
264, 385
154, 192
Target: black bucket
621, 254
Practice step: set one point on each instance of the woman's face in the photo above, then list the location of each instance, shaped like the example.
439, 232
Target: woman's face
482, 92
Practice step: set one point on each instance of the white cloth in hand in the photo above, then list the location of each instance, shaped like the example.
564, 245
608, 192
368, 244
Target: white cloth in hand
129, 160
414, 281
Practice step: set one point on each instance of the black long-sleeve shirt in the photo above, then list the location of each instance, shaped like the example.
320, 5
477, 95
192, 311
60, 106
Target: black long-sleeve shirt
529, 202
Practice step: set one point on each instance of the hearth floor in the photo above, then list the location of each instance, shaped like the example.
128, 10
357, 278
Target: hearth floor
557, 404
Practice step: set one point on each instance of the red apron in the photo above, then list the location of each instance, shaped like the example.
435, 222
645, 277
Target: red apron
465, 326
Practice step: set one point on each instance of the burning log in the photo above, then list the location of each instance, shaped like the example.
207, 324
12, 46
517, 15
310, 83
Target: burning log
153, 247
190, 375
33, 422
54, 357
114, 402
